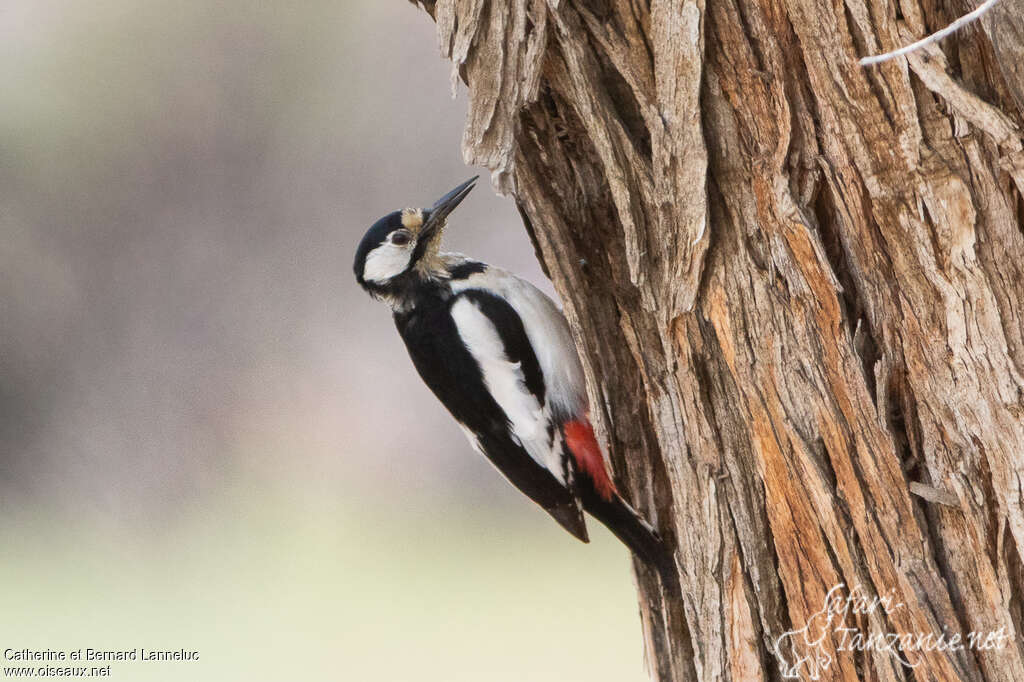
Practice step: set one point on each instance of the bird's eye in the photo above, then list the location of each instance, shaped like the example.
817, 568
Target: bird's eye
400, 238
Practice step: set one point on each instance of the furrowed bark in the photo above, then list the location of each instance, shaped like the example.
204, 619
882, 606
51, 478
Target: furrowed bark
798, 289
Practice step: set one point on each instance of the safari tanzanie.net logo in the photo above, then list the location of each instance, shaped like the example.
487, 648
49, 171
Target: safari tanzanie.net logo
804, 654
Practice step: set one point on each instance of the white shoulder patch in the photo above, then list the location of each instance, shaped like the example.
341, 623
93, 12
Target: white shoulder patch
528, 419
549, 334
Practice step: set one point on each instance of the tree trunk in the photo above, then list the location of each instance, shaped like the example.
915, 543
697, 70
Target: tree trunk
797, 285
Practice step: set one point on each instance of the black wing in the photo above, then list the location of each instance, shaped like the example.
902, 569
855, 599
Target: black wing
449, 369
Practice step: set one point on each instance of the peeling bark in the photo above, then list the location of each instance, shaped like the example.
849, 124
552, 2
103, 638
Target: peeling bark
813, 274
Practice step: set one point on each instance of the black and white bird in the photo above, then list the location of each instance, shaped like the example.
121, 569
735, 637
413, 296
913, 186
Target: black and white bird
499, 355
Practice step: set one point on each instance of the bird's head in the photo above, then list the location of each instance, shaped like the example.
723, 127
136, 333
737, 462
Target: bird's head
401, 249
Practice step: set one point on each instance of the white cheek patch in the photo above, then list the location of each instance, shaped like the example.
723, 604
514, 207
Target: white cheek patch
386, 261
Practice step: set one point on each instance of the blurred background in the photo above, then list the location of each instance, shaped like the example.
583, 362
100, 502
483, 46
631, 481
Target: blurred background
210, 438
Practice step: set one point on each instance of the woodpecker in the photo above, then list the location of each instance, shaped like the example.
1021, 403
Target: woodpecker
498, 354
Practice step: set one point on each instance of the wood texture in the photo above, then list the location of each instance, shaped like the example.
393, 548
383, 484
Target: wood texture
798, 289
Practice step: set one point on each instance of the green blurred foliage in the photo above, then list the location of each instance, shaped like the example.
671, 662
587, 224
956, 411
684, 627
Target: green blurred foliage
288, 588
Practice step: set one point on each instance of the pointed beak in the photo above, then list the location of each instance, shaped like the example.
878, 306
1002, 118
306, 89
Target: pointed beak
444, 206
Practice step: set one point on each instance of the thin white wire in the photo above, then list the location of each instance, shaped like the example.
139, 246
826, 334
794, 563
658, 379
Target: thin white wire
938, 35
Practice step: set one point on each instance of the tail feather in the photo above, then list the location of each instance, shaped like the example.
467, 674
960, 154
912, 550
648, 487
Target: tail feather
631, 528
602, 501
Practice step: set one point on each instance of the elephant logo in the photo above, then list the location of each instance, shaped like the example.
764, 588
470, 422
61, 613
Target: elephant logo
802, 651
